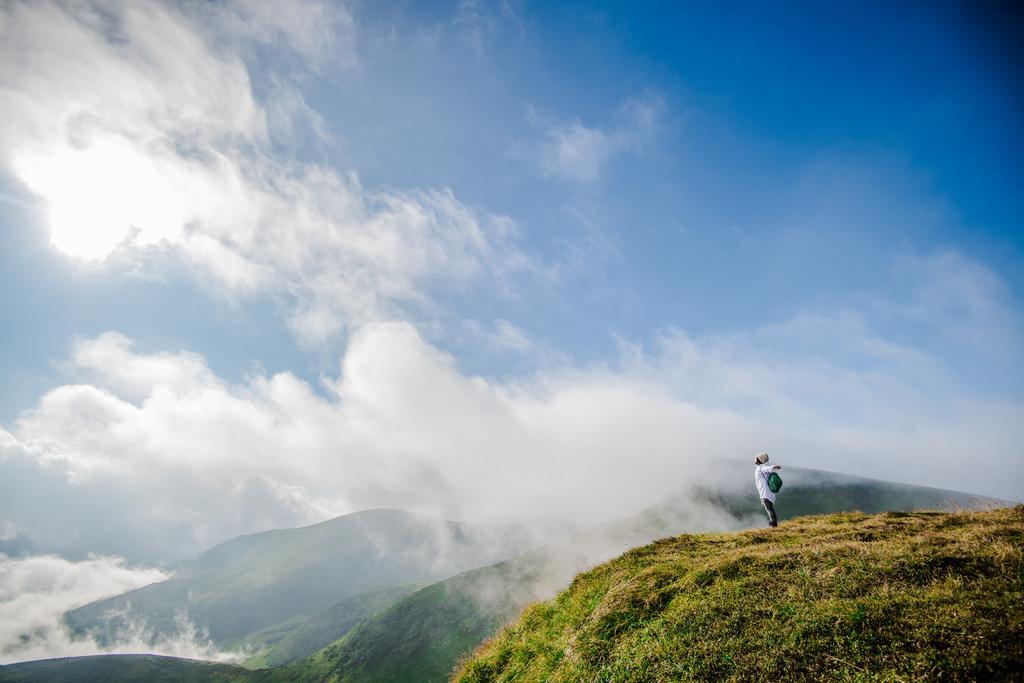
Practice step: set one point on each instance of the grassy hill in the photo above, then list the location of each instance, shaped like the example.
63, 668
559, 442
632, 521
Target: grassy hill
894, 596
302, 636
254, 582
423, 636
123, 669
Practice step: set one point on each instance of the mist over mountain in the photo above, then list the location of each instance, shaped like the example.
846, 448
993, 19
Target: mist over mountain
255, 581
423, 636
275, 598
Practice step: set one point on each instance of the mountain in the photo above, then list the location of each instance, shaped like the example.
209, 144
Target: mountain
254, 582
893, 596
302, 636
122, 669
423, 636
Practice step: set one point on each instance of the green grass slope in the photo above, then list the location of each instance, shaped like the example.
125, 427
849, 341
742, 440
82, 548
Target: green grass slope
122, 669
894, 596
257, 581
422, 637
302, 636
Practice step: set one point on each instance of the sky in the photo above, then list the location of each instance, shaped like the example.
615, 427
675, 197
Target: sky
263, 264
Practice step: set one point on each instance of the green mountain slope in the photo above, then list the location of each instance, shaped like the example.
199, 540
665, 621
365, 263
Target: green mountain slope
895, 596
122, 669
302, 636
256, 581
422, 637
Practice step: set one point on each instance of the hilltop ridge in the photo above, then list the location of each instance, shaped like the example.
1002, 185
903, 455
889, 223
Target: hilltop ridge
423, 636
892, 596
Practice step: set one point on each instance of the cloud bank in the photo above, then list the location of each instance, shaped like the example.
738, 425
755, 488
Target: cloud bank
182, 455
36, 591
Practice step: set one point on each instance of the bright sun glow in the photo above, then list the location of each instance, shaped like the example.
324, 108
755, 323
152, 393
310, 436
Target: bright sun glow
102, 194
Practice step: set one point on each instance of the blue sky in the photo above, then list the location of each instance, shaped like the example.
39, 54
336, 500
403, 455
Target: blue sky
619, 237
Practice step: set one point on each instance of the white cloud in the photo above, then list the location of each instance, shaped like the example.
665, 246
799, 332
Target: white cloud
321, 32
960, 299
142, 138
478, 22
401, 426
575, 152
192, 459
571, 150
94, 115
36, 591
508, 336
110, 362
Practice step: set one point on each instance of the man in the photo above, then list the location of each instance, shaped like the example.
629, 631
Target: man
761, 472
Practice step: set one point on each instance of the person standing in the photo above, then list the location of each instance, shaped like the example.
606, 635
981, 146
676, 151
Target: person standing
761, 471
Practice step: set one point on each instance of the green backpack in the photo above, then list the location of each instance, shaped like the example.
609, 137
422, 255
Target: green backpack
774, 482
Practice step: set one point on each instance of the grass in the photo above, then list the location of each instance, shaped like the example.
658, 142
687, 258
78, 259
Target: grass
122, 668
853, 597
302, 636
416, 640
424, 636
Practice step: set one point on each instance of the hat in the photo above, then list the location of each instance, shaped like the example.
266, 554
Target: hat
760, 458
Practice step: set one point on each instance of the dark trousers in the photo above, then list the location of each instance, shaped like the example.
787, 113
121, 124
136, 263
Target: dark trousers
769, 507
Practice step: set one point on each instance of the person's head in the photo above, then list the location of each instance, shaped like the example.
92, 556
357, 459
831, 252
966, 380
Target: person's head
760, 458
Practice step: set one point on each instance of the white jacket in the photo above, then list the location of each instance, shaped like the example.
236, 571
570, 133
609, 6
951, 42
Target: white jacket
761, 481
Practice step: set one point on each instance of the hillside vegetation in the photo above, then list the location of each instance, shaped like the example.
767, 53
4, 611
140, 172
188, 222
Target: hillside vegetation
894, 596
302, 636
305, 589
123, 669
422, 637
258, 581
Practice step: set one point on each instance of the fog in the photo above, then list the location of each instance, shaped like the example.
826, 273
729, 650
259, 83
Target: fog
36, 591
177, 454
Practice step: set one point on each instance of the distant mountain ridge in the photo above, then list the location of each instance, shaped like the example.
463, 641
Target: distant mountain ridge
302, 636
391, 633
423, 636
255, 581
